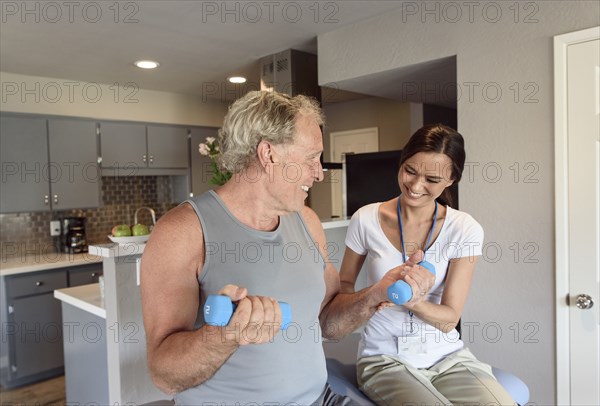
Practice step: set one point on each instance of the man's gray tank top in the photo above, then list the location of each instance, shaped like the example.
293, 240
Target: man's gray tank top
286, 265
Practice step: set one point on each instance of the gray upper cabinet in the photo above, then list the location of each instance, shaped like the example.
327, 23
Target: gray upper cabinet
123, 145
48, 164
137, 147
200, 170
24, 185
74, 170
167, 146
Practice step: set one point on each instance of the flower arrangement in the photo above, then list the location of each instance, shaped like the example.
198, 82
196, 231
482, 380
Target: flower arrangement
210, 148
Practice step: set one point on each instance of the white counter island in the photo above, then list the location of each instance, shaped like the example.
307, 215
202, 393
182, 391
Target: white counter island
108, 344
84, 344
108, 340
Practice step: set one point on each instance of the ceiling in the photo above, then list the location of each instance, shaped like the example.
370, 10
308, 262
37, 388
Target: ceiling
198, 43
431, 82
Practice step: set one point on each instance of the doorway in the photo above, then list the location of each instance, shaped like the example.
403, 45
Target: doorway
577, 179
343, 143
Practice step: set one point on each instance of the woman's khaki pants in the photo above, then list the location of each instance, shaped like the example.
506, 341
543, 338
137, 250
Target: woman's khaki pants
459, 379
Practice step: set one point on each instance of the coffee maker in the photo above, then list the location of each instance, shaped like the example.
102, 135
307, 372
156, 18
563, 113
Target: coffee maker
73, 239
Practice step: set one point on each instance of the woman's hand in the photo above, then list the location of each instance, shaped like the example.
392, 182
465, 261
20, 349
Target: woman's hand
418, 278
421, 280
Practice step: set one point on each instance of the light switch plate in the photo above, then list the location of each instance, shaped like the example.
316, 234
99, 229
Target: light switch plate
54, 228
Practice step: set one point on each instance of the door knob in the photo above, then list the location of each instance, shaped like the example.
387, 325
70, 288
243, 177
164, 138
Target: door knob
584, 302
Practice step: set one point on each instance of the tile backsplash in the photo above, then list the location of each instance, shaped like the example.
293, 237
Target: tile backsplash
29, 233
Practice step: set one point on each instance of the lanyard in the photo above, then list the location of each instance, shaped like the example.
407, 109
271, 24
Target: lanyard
430, 232
411, 314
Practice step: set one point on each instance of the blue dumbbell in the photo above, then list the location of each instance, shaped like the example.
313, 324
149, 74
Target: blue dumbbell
401, 292
219, 308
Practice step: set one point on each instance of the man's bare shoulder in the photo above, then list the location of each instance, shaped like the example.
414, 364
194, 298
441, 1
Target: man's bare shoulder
313, 223
309, 215
179, 225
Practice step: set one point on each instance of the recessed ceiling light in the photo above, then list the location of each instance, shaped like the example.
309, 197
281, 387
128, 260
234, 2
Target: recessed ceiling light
146, 64
237, 79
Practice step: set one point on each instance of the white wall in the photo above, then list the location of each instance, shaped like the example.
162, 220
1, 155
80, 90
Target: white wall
391, 117
511, 305
66, 97
416, 116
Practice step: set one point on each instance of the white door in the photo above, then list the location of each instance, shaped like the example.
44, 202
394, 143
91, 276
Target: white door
342, 143
578, 218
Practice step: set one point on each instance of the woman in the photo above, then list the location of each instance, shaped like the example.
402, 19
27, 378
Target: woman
412, 353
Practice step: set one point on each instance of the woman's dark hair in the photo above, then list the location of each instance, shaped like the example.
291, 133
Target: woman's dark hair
440, 139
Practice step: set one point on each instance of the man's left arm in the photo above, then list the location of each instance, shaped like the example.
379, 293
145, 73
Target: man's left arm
341, 313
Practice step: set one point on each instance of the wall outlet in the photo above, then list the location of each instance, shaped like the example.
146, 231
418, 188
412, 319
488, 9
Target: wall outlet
54, 228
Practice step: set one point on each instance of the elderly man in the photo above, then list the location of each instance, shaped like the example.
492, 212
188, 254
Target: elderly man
255, 241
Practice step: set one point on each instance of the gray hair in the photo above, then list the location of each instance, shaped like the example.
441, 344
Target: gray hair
258, 116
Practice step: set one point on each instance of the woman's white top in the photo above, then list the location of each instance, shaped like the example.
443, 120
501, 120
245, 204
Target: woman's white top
389, 330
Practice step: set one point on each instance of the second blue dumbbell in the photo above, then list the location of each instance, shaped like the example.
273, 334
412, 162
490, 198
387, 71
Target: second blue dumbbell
218, 310
400, 292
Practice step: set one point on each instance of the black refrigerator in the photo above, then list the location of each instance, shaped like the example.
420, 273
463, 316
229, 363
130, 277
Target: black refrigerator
373, 177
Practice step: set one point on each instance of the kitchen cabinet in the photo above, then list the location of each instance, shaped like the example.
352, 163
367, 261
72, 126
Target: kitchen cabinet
73, 166
24, 160
200, 164
84, 275
32, 334
168, 146
123, 145
32, 329
135, 147
48, 164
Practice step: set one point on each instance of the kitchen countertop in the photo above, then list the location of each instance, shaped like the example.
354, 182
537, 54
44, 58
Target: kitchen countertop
44, 261
114, 250
335, 223
84, 297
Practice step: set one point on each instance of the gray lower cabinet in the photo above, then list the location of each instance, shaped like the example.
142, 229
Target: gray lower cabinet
84, 275
48, 164
31, 327
31, 323
38, 346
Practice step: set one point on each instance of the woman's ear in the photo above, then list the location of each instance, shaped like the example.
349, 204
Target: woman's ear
450, 183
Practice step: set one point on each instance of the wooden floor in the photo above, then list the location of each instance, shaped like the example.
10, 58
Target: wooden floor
47, 393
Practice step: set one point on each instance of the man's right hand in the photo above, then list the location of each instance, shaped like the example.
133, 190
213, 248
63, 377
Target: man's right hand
256, 320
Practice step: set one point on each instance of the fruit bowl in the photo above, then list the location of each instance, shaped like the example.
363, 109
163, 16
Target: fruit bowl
138, 239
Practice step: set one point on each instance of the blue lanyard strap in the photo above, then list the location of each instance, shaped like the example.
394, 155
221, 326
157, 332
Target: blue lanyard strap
411, 314
402, 233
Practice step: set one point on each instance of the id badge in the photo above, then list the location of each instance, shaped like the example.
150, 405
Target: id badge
411, 345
